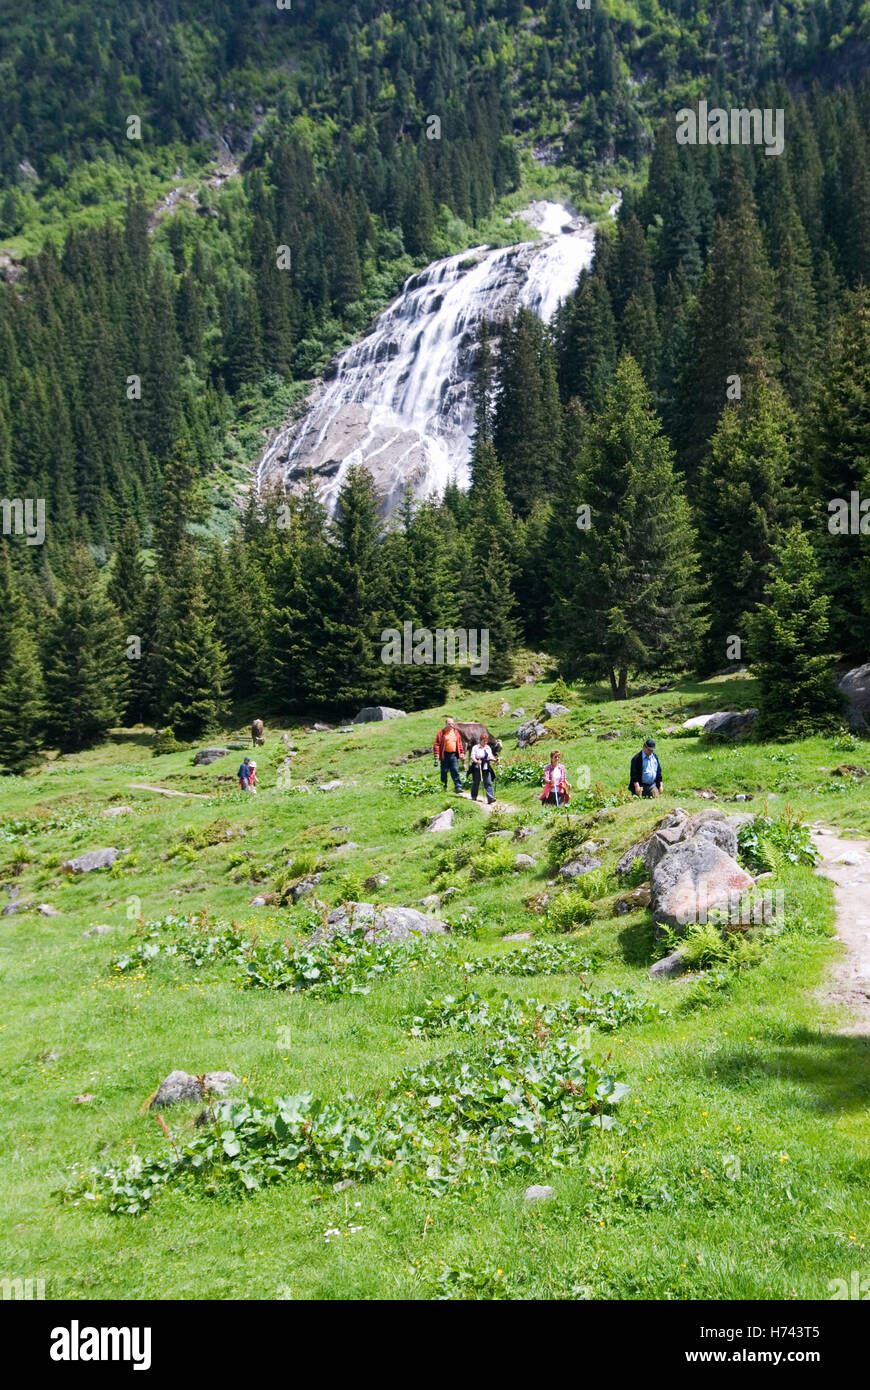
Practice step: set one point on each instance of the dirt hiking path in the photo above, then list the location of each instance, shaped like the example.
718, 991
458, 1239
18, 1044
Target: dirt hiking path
847, 864
165, 791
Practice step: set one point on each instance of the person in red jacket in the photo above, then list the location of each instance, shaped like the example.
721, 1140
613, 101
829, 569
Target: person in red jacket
448, 750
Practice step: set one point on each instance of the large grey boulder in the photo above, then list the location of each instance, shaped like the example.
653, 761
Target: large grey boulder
698, 721
855, 688
575, 868
179, 1085
94, 859
206, 756
531, 732
391, 923
730, 725
718, 833
552, 711
442, 821
374, 713
693, 881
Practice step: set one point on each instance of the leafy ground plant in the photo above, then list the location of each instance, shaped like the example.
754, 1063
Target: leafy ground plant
541, 958
531, 1100
768, 844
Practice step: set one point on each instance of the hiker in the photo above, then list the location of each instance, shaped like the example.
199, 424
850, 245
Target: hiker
252, 780
483, 762
448, 750
257, 733
244, 775
645, 774
557, 788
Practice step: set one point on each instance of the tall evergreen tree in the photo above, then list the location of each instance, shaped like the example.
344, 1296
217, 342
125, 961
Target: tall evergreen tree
85, 660
789, 639
628, 600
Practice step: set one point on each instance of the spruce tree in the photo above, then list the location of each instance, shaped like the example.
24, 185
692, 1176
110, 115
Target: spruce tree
789, 647
628, 597
194, 665
85, 660
22, 704
744, 504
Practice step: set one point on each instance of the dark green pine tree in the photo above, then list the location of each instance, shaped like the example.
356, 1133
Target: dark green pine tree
789, 646
527, 424
744, 504
22, 704
737, 296
838, 450
488, 608
586, 339
349, 601
417, 560
194, 664
126, 583
628, 597
85, 663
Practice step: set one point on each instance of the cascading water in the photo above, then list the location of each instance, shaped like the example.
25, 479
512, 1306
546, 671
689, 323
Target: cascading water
400, 399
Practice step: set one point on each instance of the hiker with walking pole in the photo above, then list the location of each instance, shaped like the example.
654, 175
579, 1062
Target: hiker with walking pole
557, 788
483, 762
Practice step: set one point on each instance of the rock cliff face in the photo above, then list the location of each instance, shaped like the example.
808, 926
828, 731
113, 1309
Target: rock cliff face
400, 400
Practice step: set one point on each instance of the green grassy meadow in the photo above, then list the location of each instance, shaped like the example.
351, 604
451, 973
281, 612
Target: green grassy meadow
740, 1165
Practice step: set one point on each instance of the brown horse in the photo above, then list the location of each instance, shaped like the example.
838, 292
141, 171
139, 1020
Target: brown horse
257, 733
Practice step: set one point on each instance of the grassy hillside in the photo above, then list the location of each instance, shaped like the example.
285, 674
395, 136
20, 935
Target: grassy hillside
739, 1167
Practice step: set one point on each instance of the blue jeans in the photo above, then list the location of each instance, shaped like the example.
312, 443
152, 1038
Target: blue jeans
450, 763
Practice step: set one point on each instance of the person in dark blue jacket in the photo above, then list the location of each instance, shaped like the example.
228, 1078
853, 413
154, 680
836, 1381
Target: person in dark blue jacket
244, 775
645, 774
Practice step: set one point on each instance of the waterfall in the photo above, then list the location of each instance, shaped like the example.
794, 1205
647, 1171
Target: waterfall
400, 399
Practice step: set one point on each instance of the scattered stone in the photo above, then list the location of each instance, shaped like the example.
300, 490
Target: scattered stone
94, 859
84, 1099
691, 880
574, 868
608, 737
518, 713
374, 713
331, 786
631, 902
431, 901
442, 821
593, 846
519, 936
48, 1057
12, 909
552, 711
376, 881
531, 732
668, 966
179, 1085
525, 861
262, 900
854, 861
538, 1193
636, 851
344, 1184
719, 834
706, 796
849, 770
306, 886
117, 811
348, 844
321, 728
524, 832
47, 910
855, 687
101, 929
499, 835
394, 923
731, 725
206, 756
